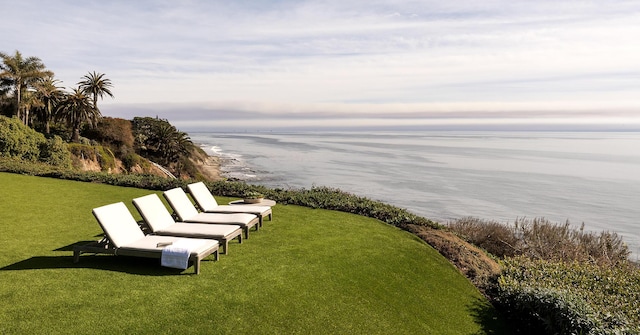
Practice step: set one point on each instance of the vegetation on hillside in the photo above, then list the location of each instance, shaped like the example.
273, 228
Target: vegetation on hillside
556, 279
21, 142
30, 93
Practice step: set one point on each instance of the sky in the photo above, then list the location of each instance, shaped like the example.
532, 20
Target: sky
398, 64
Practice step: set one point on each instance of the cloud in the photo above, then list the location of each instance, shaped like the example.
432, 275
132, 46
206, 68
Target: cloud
340, 56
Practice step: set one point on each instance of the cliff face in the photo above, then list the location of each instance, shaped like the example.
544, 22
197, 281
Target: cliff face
207, 167
114, 165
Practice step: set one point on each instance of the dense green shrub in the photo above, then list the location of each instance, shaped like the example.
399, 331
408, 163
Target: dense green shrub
569, 298
107, 158
55, 151
130, 160
547, 311
18, 140
22, 142
16, 165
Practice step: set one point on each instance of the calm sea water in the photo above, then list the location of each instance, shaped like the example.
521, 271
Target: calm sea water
590, 178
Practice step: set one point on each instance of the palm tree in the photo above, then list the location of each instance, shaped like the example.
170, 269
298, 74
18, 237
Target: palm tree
95, 85
76, 109
168, 144
29, 100
49, 93
19, 73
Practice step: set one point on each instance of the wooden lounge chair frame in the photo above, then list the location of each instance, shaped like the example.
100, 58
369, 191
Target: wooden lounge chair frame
110, 244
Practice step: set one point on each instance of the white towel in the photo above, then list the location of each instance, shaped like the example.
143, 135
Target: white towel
177, 254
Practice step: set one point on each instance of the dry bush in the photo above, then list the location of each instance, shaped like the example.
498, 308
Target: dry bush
496, 238
546, 240
541, 239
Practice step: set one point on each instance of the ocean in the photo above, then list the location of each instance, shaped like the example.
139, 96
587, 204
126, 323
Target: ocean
584, 177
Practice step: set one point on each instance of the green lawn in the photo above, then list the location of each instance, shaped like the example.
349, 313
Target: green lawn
306, 272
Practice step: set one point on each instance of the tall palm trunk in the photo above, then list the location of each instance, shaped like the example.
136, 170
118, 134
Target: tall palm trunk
76, 135
25, 116
47, 127
18, 91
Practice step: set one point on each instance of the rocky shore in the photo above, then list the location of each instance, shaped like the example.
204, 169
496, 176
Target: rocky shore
210, 168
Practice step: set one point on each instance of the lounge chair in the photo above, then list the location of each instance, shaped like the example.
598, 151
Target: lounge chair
159, 220
187, 212
123, 237
208, 204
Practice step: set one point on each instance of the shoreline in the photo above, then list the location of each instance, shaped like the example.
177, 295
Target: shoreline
210, 168
449, 193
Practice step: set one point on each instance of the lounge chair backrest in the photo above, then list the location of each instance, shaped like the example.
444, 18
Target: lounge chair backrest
202, 196
153, 212
179, 201
118, 224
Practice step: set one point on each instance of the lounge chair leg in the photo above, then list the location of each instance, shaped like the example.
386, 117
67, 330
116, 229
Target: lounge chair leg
76, 255
246, 232
216, 255
240, 238
225, 246
196, 265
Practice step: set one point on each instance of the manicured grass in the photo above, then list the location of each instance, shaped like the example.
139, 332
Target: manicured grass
306, 272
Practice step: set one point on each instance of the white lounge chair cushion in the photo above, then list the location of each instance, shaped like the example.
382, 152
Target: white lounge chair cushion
180, 203
207, 202
241, 219
199, 230
153, 211
118, 223
187, 212
150, 243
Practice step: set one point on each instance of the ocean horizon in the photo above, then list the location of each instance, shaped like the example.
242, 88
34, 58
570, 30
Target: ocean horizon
580, 177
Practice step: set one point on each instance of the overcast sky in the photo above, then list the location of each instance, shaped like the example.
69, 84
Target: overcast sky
215, 65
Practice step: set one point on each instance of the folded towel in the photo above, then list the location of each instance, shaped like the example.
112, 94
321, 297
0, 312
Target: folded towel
177, 254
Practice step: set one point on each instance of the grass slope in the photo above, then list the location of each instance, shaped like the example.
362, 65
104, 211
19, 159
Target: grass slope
308, 272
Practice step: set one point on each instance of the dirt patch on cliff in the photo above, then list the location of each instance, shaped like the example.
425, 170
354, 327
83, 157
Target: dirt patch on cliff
472, 261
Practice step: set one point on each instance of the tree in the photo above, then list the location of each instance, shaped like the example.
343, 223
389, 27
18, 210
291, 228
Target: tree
158, 140
113, 132
29, 101
19, 74
49, 94
95, 85
76, 109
